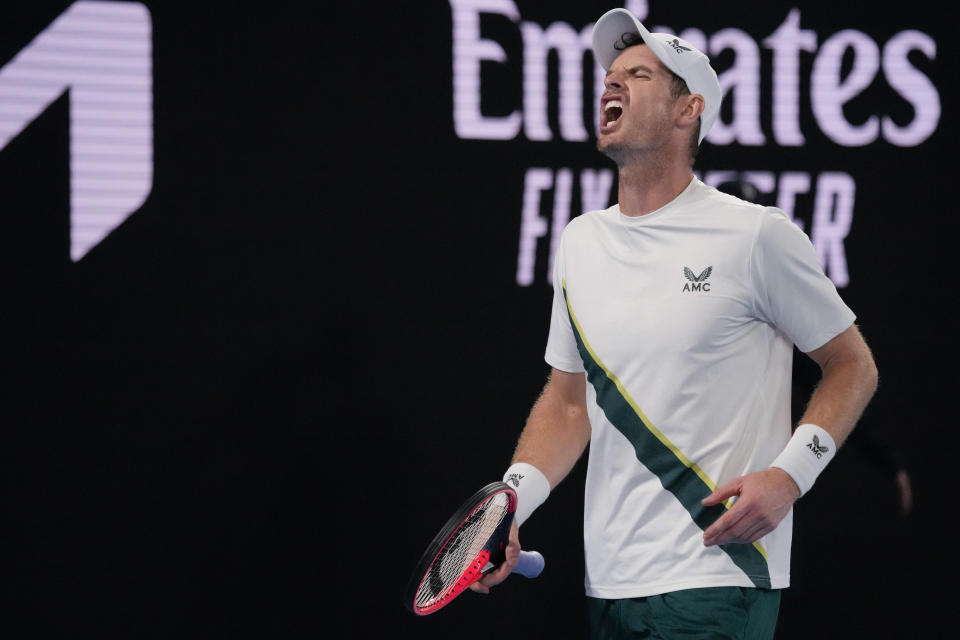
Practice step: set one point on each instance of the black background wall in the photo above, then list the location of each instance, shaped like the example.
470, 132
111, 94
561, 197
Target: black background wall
245, 411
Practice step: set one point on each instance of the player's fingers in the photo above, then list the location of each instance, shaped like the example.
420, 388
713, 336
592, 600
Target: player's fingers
754, 533
723, 492
479, 587
746, 531
483, 584
511, 559
496, 576
512, 553
750, 528
718, 531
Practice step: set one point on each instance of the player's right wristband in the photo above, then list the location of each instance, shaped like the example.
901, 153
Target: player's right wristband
807, 454
532, 488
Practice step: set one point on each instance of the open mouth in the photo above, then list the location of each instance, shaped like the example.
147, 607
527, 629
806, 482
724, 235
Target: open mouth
612, 112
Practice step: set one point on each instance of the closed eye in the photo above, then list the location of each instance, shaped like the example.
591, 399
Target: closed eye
637, 71
641, 71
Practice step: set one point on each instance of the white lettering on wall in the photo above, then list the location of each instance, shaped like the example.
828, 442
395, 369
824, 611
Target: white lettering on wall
548, 114
830, 91
830, 221
532, 225
595, 186
741, 83
469, 50
786, 43
913, 86
100, 53
570, 47
562, 196
832, 217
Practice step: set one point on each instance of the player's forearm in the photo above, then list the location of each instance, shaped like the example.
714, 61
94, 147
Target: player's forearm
848, 383
557, 430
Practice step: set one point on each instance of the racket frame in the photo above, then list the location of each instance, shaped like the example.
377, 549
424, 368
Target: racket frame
490, 557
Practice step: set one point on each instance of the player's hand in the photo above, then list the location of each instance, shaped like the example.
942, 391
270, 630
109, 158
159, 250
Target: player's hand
500, 574
763, 499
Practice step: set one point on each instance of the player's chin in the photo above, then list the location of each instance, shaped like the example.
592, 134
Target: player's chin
608, 146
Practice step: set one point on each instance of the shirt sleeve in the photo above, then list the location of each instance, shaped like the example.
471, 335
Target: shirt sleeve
792, 292
561, 350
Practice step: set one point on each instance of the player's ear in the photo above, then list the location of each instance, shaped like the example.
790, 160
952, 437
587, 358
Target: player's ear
691, 106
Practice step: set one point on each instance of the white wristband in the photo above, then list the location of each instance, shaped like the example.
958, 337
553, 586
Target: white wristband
532, 488
806, 455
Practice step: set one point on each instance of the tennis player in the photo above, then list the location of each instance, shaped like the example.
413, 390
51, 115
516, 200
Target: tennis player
671, 341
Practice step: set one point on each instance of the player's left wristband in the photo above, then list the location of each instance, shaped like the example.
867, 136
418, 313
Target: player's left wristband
806, 455
532, 488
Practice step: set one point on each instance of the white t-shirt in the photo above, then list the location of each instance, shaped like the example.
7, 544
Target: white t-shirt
684, 320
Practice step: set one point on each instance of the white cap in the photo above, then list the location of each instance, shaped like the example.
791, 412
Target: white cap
676, 54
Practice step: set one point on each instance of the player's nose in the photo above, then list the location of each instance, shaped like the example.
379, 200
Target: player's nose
613, 81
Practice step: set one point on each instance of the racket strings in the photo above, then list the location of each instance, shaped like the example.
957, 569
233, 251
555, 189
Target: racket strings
459, 562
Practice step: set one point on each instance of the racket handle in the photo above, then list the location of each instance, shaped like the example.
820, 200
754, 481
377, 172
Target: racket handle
530, 564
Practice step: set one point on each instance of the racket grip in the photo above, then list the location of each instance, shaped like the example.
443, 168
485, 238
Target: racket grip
530, 564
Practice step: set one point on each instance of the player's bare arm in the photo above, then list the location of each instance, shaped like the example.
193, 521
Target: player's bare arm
849, 380
553, 439
557, 430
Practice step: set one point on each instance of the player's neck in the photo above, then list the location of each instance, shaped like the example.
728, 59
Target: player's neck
644, 187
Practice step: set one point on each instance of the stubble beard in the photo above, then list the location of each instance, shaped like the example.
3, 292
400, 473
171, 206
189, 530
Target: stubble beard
638, 146
620, 151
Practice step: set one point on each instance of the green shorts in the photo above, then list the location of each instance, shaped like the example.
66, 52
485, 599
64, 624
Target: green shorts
713, 613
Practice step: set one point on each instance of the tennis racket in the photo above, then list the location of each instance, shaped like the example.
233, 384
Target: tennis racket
470, 544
